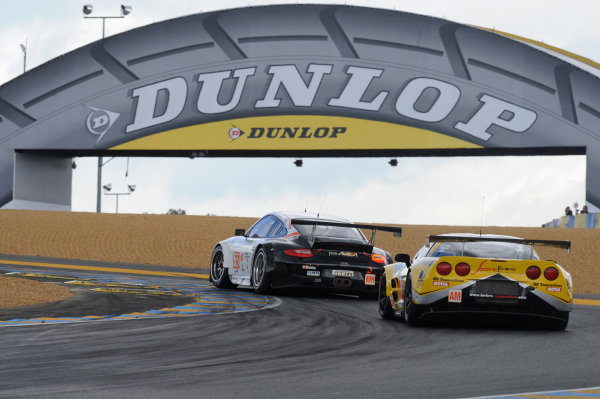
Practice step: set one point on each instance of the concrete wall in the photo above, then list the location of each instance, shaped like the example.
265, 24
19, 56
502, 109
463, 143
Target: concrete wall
41, 182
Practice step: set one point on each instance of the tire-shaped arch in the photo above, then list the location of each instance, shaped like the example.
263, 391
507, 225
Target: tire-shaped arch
264, 80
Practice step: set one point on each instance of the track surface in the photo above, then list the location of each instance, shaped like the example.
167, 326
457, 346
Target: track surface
308, 347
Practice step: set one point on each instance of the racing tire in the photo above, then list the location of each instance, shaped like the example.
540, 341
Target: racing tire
562, 323
218, 271
385, 307
261, 280
412, 312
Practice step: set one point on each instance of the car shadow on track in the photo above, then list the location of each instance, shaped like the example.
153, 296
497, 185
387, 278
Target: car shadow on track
490, 321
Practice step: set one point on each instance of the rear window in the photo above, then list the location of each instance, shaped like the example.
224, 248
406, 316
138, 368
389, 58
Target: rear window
331, 231
484, 249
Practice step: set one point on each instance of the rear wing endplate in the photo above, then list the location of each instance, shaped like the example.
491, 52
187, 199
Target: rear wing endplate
374, 228
566, 245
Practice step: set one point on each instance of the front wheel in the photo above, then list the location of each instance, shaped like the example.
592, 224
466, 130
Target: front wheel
385, 307
218, 272
261, 281
412, 312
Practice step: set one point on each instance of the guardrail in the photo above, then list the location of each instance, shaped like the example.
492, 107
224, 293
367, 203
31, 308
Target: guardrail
582, 220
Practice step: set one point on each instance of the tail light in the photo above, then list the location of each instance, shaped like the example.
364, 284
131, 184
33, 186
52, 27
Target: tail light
462, 269
551, 273
443, 268
299, 253
533, 272
378, 258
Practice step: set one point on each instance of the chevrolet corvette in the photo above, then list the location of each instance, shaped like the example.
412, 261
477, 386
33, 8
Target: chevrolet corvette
479, 275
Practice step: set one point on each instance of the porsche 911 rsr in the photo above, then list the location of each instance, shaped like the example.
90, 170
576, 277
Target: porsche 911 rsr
301, 250
477, 275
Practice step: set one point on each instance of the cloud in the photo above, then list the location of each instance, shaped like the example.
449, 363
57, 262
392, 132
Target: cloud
510, 191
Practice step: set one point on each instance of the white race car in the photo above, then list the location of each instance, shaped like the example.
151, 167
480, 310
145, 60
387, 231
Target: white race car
301, 250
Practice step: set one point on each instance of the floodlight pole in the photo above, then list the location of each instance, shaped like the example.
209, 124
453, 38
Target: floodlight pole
130, 189
117, 195
125, 10
24, 48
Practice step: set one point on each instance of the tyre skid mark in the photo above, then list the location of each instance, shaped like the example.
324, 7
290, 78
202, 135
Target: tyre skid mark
207, 300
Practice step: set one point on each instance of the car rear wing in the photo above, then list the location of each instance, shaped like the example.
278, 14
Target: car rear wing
566, 245
374, 228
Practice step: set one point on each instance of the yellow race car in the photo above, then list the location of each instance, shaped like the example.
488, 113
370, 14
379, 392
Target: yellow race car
480, 275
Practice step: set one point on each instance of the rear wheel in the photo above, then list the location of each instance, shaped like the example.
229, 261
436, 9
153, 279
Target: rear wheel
563, 322
385, 307
218, 272
412, 312
261, 281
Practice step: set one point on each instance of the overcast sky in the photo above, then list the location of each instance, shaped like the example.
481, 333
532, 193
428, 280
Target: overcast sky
501, 191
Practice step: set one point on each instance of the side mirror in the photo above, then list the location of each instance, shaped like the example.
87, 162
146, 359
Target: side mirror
239, 232
402, 258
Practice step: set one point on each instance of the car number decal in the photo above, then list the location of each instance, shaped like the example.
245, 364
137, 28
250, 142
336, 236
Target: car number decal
369, 279
342, 273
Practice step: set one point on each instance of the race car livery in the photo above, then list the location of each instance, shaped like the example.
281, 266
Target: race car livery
301, 250
476, 275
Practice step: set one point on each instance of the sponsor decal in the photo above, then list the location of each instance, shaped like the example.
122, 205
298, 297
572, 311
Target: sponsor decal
238, 258
342, 273
304, 90
369, 279
235, 133
343, 253
478, 295
440, 284
313, 273
421, 278
309, 267
292, 132
455, 296
481, 295
553, 289
489, 269
99, 121
452, 280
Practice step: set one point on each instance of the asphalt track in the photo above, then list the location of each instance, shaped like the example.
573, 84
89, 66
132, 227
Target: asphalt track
294, 345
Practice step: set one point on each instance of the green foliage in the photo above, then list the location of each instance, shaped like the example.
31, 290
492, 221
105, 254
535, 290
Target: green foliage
176, 212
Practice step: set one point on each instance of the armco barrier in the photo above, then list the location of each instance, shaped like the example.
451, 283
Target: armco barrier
580, 221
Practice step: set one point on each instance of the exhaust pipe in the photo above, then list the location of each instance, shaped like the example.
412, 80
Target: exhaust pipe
340, 282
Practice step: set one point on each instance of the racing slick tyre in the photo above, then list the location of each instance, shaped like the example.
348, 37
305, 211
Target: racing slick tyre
563, 322
385, 307
218, 272
412, 312
261, 281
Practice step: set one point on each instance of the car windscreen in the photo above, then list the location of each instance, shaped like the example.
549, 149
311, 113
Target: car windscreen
331, 231
485, 249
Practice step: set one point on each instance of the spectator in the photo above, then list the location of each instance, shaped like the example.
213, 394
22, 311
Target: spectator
584, 209
568, 211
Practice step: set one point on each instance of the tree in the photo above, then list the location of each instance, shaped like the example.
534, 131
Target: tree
176, 211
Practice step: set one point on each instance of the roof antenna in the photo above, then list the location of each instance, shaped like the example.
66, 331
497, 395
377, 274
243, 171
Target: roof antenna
305, 206
322, 203
481, 223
